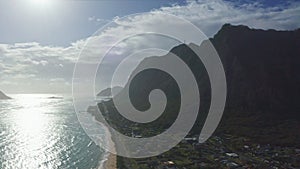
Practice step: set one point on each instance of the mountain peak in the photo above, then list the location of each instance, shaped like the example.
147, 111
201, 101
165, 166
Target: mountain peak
230, 30
230, 26
235, 30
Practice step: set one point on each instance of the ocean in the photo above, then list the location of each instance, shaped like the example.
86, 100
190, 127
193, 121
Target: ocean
37, 131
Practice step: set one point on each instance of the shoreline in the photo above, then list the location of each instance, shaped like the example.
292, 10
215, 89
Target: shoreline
110, 159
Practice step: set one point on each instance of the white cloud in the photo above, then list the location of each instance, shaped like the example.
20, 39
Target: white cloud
97, 21
25, 45
209, 15
42, 64
91, 18
24, 63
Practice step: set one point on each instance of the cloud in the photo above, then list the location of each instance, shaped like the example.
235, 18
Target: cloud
97, 21
25, 45
28, 67
209, 15
91, 18
43, 65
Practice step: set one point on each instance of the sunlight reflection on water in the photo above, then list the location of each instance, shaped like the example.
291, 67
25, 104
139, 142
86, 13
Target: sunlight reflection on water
40, 132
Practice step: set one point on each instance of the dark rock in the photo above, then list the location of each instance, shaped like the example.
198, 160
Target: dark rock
263, 84
108, 91
3, 96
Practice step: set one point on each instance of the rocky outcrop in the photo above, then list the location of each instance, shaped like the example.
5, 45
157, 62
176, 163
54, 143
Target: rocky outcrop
3, 96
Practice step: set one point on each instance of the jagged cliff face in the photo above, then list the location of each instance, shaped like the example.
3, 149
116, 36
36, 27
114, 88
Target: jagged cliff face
262, 68
262, 71
3, 96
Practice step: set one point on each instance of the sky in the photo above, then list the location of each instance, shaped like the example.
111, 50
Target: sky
40, 39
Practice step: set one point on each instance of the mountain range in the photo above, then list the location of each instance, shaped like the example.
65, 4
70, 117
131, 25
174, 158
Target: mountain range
263, 85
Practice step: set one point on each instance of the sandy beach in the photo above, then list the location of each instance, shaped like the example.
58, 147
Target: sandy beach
111, 162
